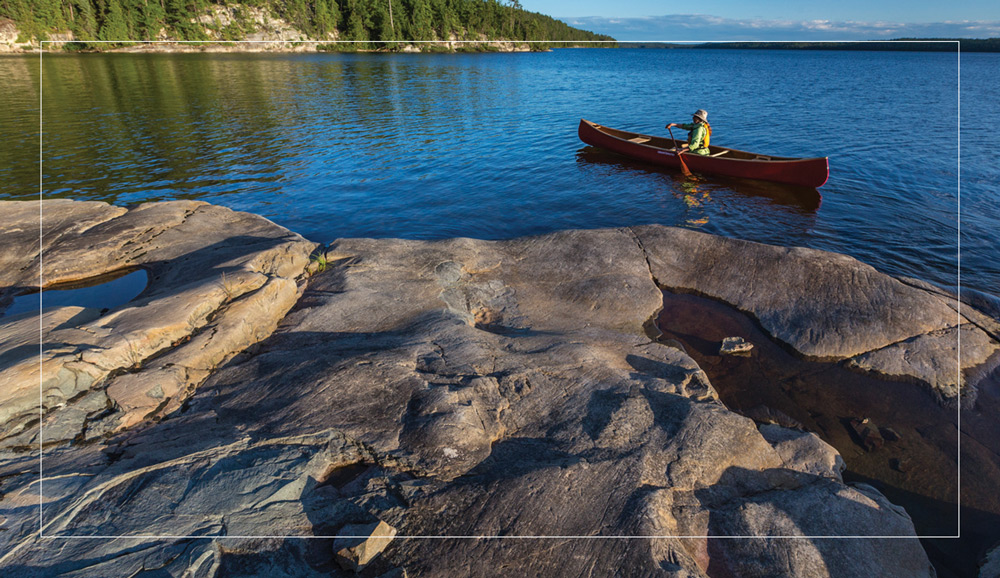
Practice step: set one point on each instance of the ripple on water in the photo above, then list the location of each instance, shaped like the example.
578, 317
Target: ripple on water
297, 135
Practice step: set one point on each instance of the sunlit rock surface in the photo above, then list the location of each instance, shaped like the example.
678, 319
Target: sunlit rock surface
219, 281
831, 306
503, 395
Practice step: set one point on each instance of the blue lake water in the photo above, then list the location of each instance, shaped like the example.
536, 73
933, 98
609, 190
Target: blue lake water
485, 145
106, 292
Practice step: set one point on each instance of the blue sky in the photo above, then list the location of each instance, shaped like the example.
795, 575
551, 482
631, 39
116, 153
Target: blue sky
777, 19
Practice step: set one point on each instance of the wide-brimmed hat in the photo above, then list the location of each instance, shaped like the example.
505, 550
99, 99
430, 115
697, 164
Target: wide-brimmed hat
702, 114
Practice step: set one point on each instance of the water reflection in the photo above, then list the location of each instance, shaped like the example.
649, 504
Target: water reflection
171, 124
695, 195
104, 292
728, 203
806, 200
431, 146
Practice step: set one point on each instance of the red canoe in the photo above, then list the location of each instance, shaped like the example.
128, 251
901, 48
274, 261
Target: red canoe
721, 161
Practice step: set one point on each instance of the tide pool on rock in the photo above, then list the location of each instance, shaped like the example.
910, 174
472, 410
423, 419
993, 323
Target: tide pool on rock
219, 281
891, 434
447, 388
103, 292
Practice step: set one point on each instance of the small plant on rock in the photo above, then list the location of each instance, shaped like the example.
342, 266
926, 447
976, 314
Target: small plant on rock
319, 258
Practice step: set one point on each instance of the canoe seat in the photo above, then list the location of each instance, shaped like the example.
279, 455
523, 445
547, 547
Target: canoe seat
639, 139
719, 154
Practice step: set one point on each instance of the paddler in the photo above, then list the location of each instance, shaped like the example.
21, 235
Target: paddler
699, 132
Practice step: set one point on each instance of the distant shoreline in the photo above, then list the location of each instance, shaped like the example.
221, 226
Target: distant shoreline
488, 46
305, 46
901, 44
292, 46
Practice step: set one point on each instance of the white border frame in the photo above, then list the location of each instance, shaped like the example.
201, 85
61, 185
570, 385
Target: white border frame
41, 478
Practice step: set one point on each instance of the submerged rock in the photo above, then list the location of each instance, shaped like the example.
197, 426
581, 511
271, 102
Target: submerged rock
832, 307
735, 346
768, 415
866, 434
889, 434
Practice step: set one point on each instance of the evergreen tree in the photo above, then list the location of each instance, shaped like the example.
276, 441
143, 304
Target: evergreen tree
327, 17
85, 22
381, 25
179, 14
445, 20
297, 13
114, 27
361, 20
48, 14
355, 26
153, 17
421, 20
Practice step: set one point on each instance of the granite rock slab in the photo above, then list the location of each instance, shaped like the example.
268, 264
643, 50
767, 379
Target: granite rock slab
829, 306
218, 281
460, 389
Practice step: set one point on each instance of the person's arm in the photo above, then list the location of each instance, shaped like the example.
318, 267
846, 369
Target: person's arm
681, 125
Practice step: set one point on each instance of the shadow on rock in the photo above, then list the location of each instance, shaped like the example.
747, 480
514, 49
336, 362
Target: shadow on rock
952, 558
209, 260
517, 457
776, 506
656, 368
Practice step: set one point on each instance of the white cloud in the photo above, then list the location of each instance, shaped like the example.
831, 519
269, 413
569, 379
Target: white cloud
699, 27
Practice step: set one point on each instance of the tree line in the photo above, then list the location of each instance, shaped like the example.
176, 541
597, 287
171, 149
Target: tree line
368, 23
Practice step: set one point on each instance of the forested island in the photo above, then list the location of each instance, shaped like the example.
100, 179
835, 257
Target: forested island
348, 25
345, 24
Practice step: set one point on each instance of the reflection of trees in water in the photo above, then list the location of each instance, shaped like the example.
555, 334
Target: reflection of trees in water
135, 127
123, 127
130, 127
19, 123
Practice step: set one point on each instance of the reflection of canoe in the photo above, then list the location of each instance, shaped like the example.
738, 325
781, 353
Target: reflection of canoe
722, 161
807, 199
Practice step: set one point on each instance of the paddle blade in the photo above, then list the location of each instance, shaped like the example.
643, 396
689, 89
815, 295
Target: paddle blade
680, 157
684, 167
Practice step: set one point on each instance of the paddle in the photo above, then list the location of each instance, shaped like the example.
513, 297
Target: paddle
684, 168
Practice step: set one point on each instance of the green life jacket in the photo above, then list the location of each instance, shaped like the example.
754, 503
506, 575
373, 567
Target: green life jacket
708, 135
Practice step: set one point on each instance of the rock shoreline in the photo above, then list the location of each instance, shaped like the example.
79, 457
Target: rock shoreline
434, 388
291, 46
